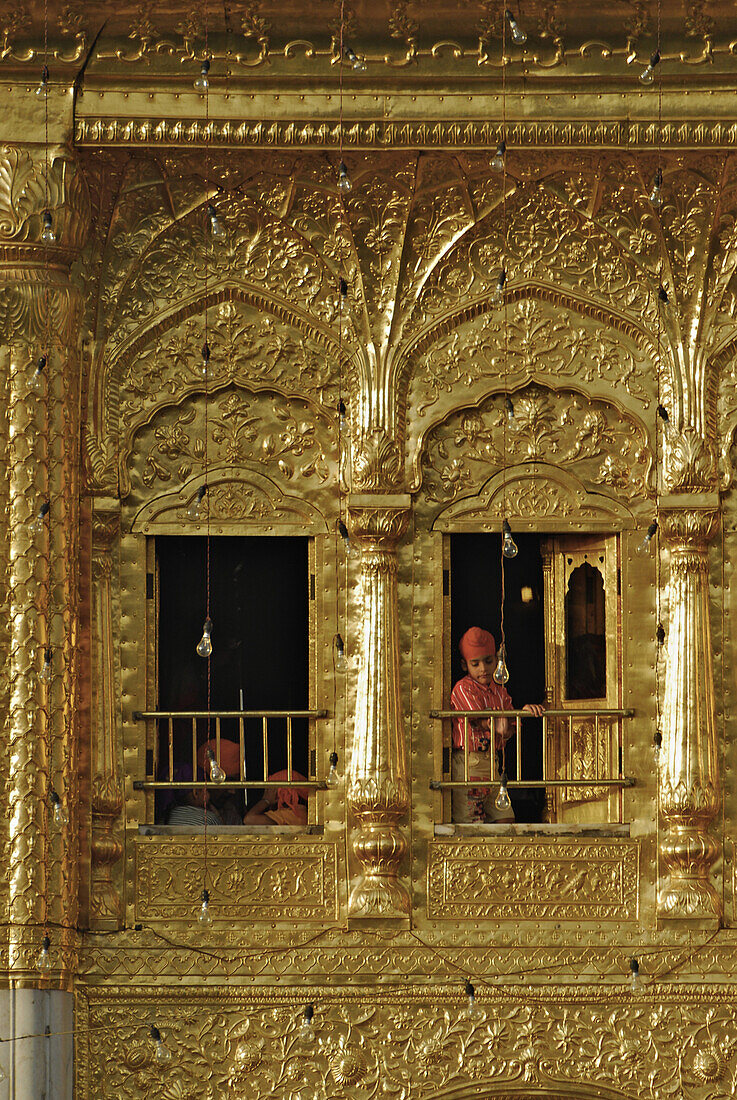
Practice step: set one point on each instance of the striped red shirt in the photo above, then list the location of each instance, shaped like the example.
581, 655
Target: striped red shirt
469, 694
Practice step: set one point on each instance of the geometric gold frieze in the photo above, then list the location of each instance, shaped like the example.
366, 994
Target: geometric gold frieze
99, 130
273, 880
533, 880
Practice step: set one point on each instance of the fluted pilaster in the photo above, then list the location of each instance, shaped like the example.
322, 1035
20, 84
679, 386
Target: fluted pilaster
39, 315
689, 782
377, 783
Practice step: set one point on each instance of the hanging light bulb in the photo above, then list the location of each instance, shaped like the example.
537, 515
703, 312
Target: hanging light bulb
497, 294
204, 916
60, 815
634, 975
656, 195
43, 961
472, 1009
497, 161
344, 180
342, 414
343, 288
657, 746
45, 675
47, 233
648, 75
205, 366
512, 423
333, 779
36, 525
42, 90
644, 546
660, 634
668, 430
202, 82
502, 800
343, 532
518, 35
37, 378
509, 546
195, 509
501, 672
217, 228
162, 1054
217, 775
341, 663
663, 295
306, 1034
204, 646
358, 63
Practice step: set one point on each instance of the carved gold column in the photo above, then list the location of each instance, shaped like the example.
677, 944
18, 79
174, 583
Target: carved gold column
39, 314
689, 787
107, 792
377, 782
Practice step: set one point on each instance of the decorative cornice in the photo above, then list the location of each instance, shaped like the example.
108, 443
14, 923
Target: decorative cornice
180, 132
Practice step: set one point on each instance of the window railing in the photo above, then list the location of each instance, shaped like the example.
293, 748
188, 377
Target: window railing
561, 734
214, 720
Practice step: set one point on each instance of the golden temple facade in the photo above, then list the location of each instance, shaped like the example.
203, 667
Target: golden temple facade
302, 307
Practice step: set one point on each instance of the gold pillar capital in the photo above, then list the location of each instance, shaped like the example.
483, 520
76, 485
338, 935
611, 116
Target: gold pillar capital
690, 463
379, 521
35, 181
377, 462
690, 528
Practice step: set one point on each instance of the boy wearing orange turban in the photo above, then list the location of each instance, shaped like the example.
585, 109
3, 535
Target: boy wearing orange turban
477, 690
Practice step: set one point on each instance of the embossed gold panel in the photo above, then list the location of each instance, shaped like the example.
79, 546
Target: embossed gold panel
275, 879
533, 879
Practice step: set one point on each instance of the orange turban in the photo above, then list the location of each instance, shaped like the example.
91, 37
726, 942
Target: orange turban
230, 757
288, 796
477, 643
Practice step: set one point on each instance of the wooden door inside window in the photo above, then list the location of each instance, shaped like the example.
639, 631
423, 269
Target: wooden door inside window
582, 643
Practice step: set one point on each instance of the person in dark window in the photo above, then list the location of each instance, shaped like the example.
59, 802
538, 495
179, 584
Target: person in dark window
280, 805
477, 690
192, 805
228, 803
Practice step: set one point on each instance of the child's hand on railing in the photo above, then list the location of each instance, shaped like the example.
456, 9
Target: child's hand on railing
537, 709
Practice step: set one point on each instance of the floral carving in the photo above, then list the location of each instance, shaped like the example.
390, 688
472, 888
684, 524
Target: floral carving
415, 1047
288, 437
603, 446
538, 341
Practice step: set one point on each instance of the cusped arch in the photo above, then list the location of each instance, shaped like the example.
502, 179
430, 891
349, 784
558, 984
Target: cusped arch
238, 500
534, 497
406, 362
113, 421
560, 425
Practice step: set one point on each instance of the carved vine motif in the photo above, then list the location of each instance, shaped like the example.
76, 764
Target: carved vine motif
563, 428
267, 882
286, 436
507, 881
412, 1049
538, 340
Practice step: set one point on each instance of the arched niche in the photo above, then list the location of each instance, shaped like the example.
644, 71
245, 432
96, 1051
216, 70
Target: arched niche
553, 339
535, 497
604, 446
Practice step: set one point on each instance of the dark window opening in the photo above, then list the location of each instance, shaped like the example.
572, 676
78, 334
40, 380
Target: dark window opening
585, 634
475, 592
259, 599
